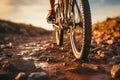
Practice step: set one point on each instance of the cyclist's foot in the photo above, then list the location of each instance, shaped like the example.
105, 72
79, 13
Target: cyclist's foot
51, 16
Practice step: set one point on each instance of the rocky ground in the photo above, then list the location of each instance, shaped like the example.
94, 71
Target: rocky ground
30, 53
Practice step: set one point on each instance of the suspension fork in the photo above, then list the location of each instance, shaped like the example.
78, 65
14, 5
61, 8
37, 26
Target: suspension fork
62, 3
65, 7
62, 8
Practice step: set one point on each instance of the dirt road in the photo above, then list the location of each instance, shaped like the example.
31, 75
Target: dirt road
39, 58
58, 62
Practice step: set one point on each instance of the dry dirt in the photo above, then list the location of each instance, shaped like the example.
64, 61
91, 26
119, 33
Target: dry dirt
21, 55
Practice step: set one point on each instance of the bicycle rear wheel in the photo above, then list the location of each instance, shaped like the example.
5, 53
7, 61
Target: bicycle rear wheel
80, 35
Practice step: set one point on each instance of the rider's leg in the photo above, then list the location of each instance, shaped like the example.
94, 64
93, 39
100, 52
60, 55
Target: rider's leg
51, 12
51, 4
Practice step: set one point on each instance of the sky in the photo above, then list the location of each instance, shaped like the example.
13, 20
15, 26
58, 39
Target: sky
35, 11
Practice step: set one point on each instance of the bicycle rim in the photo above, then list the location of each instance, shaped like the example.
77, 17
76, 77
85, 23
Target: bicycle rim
80, 34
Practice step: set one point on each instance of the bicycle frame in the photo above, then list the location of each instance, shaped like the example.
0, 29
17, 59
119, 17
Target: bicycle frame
62, 8
62, 3
66, 23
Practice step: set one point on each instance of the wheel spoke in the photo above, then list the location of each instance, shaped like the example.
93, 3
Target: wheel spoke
78, 38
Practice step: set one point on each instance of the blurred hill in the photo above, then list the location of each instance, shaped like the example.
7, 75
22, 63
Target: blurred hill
106, 35
111, 26
8, 27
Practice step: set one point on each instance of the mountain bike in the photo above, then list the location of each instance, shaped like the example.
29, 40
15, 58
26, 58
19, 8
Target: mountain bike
74, 16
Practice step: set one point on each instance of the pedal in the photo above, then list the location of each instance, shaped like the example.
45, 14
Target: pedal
51, 21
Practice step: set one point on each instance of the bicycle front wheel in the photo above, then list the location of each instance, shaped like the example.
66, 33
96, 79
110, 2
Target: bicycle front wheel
80, 34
